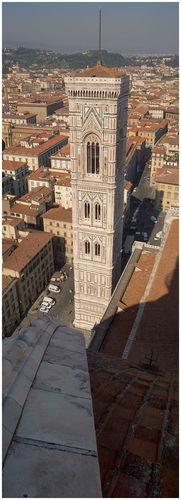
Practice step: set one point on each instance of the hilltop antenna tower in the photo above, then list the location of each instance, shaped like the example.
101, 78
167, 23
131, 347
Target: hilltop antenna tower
99, 59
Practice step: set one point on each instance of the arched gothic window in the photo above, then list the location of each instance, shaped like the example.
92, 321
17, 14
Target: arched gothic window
97, 249
93, 154
87, 247
97, 211
87, 210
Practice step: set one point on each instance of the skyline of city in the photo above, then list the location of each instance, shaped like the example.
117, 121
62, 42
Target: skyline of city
73, 26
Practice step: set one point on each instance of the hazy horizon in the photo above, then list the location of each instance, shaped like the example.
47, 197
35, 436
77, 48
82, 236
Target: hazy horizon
69, 27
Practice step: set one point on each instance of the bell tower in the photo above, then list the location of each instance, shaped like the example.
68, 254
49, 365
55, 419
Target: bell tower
98, 105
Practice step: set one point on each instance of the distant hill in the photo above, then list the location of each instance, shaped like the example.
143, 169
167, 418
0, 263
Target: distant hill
25, 57
48, 59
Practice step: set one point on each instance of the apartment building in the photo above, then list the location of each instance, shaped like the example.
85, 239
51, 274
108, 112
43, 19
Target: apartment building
16, 172
41, 109
157, 161
172, 113
10, 305
11, 227
63, 191
62, 114
7, 184
19, 132
171, 144
31, 265
46, 177
35, 150
23, 118
152, 131
61, 160
30, 206
167, 188
8, 246
58, 222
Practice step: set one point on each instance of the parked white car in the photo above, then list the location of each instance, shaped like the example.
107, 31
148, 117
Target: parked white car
54, 288
48, 301
158, 235
44, 309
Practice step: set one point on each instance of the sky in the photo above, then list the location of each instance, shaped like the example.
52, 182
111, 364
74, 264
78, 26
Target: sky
68, 27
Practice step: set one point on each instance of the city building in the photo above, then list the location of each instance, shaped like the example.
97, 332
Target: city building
41, 109
35, 150
152, 131
157, 162
61, 160
11, 227
171, 144
32, 265
58, 222
16, 172
8, 246
63, 190
167, 188
98, 104
30, 206
46, 177
172, 113
19, 119
10, 305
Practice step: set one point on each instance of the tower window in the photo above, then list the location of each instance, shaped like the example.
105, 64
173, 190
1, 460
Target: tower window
87, 247
87, 210
97, 249
97, 211
93, 158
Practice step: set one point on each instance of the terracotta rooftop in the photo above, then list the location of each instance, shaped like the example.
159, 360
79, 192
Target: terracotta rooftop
37, 194
170, 140
12, 165
37, 149
65, 151
136, 405
136, 421
22, 209
12, 221
168, 175
59, 213
44, 174
159, 150
98, 71
64, 180
28, 248
7, 244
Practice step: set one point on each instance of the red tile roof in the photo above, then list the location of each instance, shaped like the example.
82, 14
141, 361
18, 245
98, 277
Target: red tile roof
136, 407
168, 175
59, 213
133, 436
12, 165
27, 250
32, 151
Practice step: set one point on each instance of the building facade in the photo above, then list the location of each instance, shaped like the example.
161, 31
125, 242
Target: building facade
58, 222
32, 265
17, 171
167, 188
98, 105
